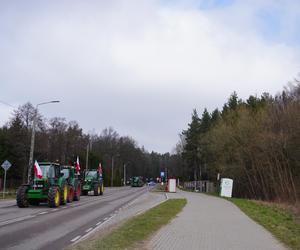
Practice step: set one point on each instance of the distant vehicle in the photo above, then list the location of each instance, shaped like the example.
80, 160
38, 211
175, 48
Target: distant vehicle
137, 181
92, 181
151, 183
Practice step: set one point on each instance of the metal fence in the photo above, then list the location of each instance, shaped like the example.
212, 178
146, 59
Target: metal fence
200, 186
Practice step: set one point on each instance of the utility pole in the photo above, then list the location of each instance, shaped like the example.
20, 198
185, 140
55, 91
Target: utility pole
124, 177
112, 171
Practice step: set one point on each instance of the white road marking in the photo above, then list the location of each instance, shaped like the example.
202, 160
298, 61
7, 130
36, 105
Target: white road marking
54, 210
98, 223
16, 220
43, 213
76, 238
105, 218
92, 231
88, 229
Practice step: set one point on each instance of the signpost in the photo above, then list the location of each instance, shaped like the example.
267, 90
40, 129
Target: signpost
5, 165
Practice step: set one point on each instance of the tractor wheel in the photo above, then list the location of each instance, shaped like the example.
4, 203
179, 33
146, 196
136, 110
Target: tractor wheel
53, 197
97, 189
21, 196
102, 189
77, 191
64, 193
71, 194
34, 202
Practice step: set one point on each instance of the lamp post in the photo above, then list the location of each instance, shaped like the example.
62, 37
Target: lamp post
33, 137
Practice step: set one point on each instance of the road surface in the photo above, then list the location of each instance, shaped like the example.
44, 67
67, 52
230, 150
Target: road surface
42, 227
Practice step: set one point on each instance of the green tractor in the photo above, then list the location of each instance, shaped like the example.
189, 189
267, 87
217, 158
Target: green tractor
51, 188
137, 181
74, 187
92, 181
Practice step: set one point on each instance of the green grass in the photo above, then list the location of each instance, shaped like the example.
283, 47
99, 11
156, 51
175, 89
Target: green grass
280, 222
137, 229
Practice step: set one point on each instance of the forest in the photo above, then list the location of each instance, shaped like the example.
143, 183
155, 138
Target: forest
256, 142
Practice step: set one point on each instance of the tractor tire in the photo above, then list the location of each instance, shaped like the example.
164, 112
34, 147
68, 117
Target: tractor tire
71, 194
34, 202
84, 193
64, 193
53, 196
21, 196
77, 191
102, 189
97, 189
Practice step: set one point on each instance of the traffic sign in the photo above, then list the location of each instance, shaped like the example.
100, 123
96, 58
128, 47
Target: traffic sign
6, 165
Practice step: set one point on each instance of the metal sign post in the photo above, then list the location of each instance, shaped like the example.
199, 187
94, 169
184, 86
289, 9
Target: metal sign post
5, 165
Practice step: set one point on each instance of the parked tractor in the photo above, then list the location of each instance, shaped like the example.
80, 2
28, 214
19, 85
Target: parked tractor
52, 188
74, 187
92, 182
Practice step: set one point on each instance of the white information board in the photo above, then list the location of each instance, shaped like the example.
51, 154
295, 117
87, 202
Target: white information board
172, 185
226, 187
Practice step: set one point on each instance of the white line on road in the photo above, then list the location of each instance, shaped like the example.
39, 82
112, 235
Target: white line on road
16, 220
98, 223
92, 231
55, 209
88, 229
105, 218
76, 238
43, 213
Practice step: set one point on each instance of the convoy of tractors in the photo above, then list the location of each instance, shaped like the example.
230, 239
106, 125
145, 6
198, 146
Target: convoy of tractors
59, 185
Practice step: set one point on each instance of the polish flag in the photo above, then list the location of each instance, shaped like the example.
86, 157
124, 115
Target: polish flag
37, 170
77, 166
100, 169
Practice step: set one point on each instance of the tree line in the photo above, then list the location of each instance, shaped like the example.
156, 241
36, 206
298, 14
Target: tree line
256, 142
58, 140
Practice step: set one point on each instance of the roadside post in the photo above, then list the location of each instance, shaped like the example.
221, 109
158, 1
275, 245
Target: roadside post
5, 165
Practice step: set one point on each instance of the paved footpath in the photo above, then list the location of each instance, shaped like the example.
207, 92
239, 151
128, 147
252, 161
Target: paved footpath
211, 223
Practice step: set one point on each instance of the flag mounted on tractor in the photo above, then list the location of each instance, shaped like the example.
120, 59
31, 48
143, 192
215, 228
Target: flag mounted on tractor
37, 170
77, 165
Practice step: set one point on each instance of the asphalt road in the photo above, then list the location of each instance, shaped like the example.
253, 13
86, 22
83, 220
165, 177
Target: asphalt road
42, 227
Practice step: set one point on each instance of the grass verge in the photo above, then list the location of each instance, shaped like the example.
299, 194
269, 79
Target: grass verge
11, 194
137, 229
280, 222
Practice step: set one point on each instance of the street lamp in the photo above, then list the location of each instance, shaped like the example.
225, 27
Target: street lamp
33, 137
112, 169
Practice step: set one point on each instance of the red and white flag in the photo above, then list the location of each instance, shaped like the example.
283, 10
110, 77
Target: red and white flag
77, 166
37, 170
100, 169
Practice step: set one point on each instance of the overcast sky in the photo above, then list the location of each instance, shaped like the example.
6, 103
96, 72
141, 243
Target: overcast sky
142, 66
